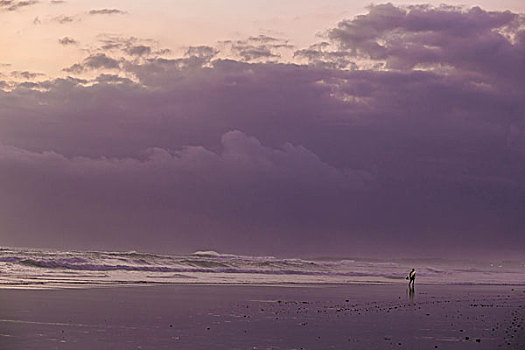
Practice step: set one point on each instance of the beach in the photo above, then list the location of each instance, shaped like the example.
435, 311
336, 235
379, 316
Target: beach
355, 316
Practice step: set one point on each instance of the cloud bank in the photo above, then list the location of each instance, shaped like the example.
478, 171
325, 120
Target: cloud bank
404, 126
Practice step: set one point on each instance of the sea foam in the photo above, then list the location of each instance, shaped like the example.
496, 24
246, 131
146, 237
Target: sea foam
23, 268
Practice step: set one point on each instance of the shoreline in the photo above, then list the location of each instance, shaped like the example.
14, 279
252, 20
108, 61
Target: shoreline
87, 286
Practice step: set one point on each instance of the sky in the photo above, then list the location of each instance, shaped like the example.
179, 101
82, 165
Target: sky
264, 127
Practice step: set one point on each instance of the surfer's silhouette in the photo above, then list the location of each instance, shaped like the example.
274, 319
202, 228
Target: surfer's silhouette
411, 279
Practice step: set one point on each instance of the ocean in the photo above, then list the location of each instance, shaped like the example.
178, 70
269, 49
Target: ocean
44, 269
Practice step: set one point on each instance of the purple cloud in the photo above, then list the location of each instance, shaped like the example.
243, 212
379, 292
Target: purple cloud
424, 36
96, 61
203, 184
426, 145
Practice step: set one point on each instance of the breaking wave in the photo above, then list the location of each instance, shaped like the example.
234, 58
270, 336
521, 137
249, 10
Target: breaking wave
23, 267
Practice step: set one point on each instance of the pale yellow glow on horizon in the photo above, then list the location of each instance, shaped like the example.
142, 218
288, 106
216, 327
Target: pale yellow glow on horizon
27, 46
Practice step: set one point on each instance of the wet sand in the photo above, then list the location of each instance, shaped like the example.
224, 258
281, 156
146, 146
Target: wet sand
264, 317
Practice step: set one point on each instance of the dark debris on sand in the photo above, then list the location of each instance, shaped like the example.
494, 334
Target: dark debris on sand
474, 315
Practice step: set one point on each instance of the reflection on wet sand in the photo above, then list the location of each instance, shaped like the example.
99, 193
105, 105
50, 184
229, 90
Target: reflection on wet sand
411, 294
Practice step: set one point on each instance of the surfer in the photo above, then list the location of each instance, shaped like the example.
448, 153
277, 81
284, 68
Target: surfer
412, 278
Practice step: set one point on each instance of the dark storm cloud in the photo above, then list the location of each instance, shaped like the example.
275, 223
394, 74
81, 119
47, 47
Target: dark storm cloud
425, 146
200, 183
469, 40
106, 12
13, 5
96, 61
67, 41
240, 155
